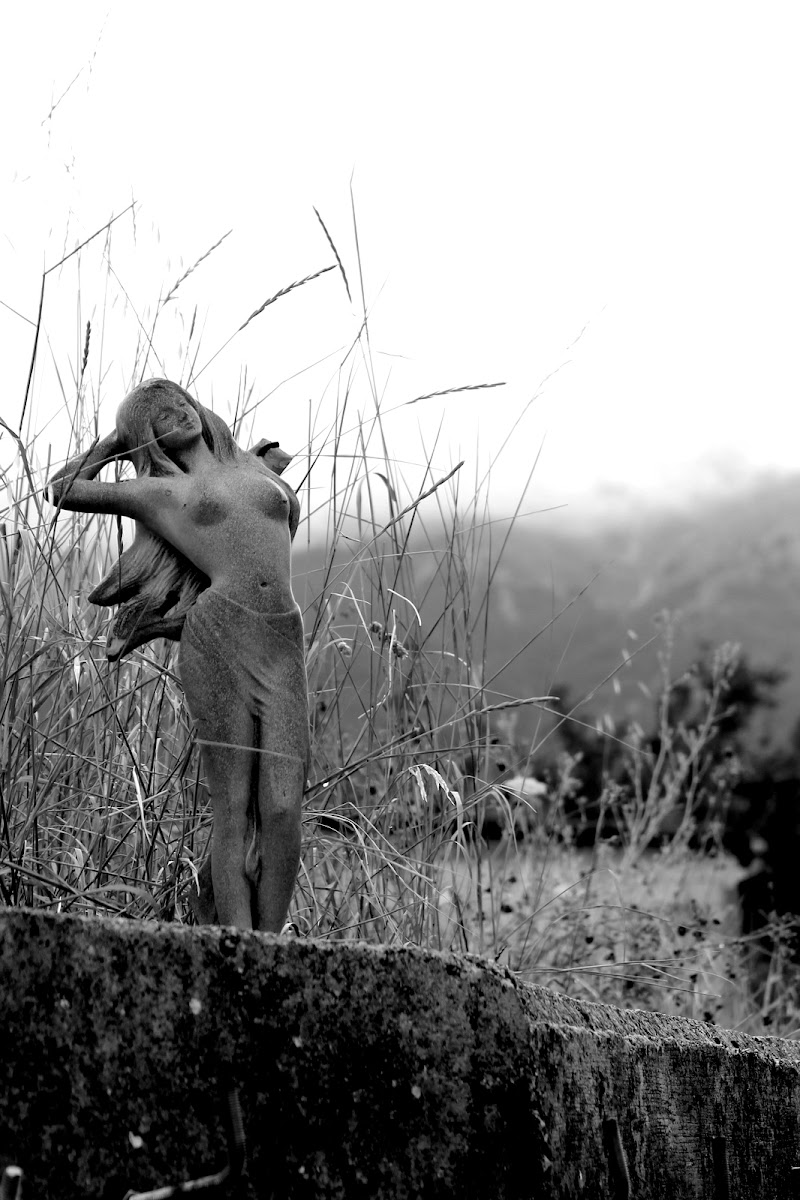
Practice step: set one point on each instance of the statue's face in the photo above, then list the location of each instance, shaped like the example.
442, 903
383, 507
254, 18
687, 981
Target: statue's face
176, 424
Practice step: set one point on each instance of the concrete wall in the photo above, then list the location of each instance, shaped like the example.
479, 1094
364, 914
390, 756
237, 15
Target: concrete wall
362, 1072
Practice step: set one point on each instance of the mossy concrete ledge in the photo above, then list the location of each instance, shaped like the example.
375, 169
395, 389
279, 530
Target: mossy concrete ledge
362, 1072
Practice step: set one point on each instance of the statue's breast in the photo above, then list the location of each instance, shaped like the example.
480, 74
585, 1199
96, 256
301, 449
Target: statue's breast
268, 495
210, 507
236, 494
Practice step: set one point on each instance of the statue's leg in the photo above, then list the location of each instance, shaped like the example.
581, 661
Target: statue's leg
281, 783
229, 773
212, 673
244, 677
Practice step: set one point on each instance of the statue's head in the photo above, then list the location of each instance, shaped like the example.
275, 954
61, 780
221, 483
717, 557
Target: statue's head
150, 409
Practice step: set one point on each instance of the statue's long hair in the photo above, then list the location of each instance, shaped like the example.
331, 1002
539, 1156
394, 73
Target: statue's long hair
154, 584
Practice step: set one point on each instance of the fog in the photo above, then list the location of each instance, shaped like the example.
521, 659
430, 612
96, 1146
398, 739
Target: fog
595, 207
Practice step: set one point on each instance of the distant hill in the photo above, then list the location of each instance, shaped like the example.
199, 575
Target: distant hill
730, 569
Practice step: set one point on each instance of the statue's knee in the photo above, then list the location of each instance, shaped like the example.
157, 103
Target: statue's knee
231, 820
281, 795
283, 808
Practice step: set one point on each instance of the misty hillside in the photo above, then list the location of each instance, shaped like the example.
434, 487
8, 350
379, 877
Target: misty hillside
730, 570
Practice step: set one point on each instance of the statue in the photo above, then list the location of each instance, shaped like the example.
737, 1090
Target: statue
210, 565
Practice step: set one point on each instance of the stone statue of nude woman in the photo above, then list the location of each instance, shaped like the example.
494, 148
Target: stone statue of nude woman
211, 565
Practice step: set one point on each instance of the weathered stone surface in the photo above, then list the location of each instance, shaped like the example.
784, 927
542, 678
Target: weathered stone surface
362, 1073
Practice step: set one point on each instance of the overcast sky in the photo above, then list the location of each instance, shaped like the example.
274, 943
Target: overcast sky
613, 187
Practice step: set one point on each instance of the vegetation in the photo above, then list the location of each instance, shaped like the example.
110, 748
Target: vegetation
103, 808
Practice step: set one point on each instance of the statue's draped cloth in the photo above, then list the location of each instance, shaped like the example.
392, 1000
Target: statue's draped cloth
244, 676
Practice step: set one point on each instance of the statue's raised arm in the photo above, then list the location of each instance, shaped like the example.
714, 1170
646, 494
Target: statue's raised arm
211, 565
64, 488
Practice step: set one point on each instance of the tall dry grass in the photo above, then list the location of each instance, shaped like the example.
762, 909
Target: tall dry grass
103, 804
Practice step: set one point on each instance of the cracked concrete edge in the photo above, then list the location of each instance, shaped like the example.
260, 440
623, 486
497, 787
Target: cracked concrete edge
363, 1070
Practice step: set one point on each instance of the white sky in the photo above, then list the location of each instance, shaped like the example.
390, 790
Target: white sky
520, 172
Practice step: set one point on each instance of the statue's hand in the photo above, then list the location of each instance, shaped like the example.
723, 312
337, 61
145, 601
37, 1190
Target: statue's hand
84, 466
112, 446
271, 455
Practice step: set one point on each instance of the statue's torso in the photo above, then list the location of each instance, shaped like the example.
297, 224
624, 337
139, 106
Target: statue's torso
232, 521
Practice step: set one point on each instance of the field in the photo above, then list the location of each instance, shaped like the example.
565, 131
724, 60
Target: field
103, 808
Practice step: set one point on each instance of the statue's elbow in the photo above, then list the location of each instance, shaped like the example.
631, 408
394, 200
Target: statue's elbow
54, 491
